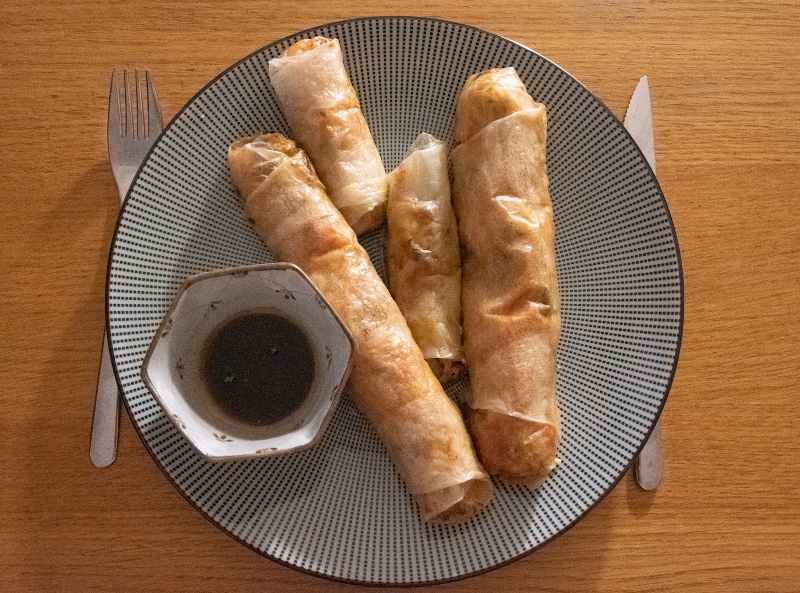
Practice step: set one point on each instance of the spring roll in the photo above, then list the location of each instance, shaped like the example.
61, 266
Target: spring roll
323, 112
391, 384
512, 317
423, 254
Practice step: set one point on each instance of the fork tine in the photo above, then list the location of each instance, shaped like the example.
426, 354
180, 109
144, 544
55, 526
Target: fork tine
141, 133
114, 119
154, 123
128, 114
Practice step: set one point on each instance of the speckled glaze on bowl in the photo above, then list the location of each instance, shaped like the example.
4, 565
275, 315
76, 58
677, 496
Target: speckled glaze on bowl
341, 510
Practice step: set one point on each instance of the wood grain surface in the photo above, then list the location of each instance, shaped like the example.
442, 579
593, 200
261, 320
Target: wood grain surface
725, 82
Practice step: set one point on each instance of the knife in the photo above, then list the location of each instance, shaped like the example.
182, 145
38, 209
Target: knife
639, 123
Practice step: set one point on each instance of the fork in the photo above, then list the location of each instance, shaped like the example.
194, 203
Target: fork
127, 147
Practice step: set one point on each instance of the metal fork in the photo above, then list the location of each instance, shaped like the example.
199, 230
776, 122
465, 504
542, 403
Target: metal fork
127, 147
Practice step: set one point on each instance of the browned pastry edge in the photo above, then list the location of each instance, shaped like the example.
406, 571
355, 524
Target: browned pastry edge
446, 369
369, 220
503, 451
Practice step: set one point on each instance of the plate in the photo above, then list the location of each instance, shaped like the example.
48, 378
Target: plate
341, 510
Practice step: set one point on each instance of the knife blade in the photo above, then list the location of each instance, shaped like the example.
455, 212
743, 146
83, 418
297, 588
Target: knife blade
639, 121
648, 467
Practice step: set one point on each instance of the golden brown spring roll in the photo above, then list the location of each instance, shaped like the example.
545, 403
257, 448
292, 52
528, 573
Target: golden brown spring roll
510, 298
323, 111
423, 254
390, 381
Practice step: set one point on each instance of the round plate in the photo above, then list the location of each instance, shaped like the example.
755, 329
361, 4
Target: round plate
341, 510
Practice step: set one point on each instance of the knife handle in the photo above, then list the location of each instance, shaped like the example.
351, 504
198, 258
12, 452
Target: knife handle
648, 467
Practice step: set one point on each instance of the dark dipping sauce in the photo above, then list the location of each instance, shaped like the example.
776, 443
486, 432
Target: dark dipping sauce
258, 367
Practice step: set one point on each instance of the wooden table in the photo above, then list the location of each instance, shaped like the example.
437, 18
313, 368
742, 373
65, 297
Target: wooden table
725, 81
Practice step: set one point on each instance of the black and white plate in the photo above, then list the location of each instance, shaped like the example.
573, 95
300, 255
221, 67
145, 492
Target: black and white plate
341, 510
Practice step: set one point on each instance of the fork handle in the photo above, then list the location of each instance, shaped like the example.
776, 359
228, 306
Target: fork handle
103, 448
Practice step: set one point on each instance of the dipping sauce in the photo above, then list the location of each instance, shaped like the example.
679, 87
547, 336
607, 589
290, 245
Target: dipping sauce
258, 367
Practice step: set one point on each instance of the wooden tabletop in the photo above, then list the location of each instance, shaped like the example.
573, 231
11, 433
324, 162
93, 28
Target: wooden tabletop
725, 82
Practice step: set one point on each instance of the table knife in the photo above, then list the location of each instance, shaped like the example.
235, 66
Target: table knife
639, 123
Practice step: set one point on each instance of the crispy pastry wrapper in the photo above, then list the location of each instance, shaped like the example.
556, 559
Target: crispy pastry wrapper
512, 317
390, 382
423, 254
323, 111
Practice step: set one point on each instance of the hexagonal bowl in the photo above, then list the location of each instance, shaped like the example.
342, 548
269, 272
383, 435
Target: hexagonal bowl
172, 365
